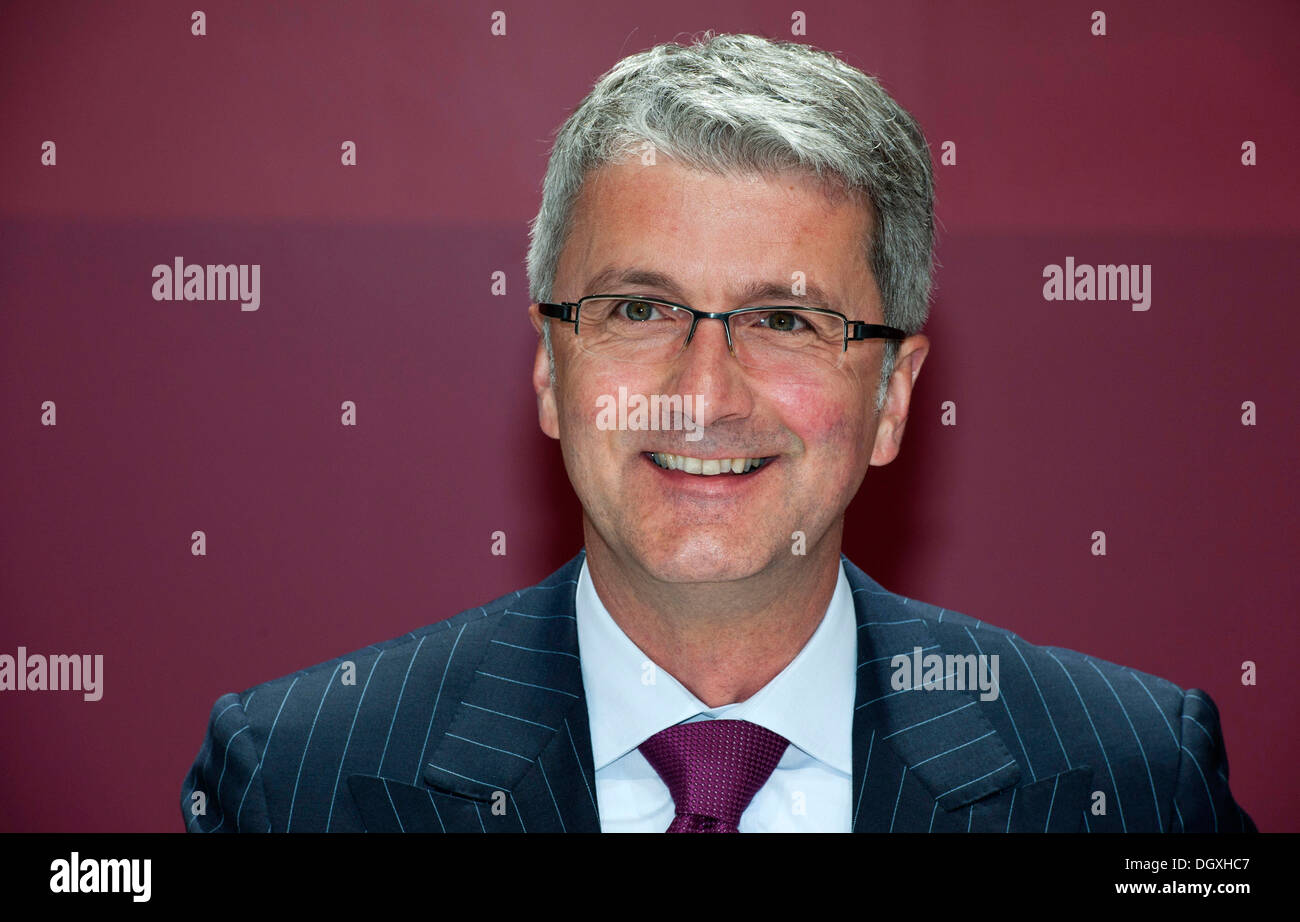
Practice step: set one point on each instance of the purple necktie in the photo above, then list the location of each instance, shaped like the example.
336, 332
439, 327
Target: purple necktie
713, 769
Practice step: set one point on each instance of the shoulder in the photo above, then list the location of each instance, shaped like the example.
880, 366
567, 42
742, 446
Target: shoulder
1047, 670
1155, 749
370, 711
428, 645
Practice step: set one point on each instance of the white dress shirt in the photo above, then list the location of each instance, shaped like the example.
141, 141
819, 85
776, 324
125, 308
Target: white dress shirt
810, 703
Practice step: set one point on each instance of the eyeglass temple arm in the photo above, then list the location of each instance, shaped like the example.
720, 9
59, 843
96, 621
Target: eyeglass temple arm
564, 311
859, 330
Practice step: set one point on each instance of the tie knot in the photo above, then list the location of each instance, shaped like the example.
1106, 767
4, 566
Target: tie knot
713, 769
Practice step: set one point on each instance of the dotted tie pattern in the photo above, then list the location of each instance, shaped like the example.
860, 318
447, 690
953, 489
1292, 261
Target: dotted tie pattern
713, 769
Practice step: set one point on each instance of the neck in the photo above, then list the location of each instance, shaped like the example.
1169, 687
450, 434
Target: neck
722, 640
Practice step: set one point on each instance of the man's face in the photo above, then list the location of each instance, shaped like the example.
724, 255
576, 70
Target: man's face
712, 237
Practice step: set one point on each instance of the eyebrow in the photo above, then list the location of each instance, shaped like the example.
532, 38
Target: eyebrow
608, 279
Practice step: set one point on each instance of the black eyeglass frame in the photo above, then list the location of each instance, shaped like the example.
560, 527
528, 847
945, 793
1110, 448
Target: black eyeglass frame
854, 330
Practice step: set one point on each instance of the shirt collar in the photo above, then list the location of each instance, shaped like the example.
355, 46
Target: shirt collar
629, 698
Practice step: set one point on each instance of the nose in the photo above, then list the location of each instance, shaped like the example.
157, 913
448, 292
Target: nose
708, 368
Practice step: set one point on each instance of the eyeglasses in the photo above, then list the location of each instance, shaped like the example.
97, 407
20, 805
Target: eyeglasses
651, 331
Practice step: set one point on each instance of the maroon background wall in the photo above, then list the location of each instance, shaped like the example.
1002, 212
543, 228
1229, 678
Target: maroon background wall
177, 416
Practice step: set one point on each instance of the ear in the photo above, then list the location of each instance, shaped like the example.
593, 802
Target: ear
893, 414
548, 416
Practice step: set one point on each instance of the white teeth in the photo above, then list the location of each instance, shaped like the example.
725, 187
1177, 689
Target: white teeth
706, 467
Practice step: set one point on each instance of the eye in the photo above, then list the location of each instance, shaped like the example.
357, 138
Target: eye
782, 321
639, 311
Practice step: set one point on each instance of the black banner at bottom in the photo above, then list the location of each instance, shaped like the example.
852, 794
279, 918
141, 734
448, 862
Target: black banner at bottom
912, 872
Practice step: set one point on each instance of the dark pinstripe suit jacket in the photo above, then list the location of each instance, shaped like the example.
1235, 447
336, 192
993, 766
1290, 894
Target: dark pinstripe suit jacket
479, 724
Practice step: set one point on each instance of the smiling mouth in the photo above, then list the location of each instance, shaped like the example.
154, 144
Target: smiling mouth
707, 467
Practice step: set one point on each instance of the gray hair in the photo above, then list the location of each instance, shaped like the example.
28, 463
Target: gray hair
732, 104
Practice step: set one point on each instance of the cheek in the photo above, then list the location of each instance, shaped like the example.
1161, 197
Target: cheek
597, 458
593, 387
829, 417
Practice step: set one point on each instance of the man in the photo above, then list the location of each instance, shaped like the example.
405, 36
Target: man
736, 235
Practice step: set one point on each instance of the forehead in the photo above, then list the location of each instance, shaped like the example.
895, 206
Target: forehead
708, 234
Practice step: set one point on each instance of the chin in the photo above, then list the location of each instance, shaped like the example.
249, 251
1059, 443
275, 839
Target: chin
702, 562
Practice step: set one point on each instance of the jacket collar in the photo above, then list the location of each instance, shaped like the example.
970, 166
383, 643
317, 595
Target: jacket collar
526, 701
940, 735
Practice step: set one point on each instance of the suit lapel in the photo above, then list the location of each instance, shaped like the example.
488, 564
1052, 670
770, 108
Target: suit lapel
516, 755
927, 759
